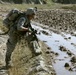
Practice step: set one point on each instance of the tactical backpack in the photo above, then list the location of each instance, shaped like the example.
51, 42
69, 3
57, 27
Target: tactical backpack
11, 18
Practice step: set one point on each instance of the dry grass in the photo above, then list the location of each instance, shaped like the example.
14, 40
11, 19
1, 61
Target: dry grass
69, 7
25, 6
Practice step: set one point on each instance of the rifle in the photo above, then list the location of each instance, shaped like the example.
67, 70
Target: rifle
32, 38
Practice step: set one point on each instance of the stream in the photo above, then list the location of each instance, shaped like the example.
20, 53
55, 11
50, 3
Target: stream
54, 41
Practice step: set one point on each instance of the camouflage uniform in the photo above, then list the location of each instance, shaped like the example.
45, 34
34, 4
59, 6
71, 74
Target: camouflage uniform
15, 35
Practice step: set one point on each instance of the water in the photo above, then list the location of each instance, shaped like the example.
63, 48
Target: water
54, 40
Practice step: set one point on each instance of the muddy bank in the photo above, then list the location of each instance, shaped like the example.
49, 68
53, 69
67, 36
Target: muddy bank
60, 19
24, 62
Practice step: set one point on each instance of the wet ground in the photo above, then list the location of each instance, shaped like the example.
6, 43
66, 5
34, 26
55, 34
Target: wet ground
64, 45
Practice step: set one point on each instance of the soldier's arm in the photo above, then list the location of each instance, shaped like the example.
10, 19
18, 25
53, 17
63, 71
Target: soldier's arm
31, 27
20, 25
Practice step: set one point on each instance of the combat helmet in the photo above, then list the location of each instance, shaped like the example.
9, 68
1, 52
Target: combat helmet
30, 11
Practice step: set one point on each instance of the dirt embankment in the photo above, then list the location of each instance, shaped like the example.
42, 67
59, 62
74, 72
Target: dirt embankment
60, 19
24, 61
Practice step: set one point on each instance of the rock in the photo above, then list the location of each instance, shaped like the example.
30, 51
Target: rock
44, 32
44, 41
66, 38
73, 59
3, 72
56, 40
39, 69
56, 54
66, 65
73, 44
48, 48
61, 59
70, 69
69, 53
48, 52
62, 48
69, 37
52, 52
37, 48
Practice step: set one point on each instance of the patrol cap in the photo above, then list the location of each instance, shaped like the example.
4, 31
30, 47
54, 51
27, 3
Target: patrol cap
30, 11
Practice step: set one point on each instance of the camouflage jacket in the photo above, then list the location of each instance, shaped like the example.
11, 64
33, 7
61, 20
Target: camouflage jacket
23, 22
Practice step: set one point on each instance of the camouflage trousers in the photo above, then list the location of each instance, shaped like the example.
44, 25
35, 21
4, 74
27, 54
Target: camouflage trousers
11, 43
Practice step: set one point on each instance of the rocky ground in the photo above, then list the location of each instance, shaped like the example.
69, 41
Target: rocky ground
58, 19
24, 61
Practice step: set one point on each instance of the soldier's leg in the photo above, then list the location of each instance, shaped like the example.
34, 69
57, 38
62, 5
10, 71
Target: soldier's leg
11, 43
10, 48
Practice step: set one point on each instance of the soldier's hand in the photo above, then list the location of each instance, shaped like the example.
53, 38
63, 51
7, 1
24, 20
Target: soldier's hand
35, 31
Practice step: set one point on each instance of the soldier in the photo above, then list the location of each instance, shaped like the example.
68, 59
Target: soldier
16, 32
